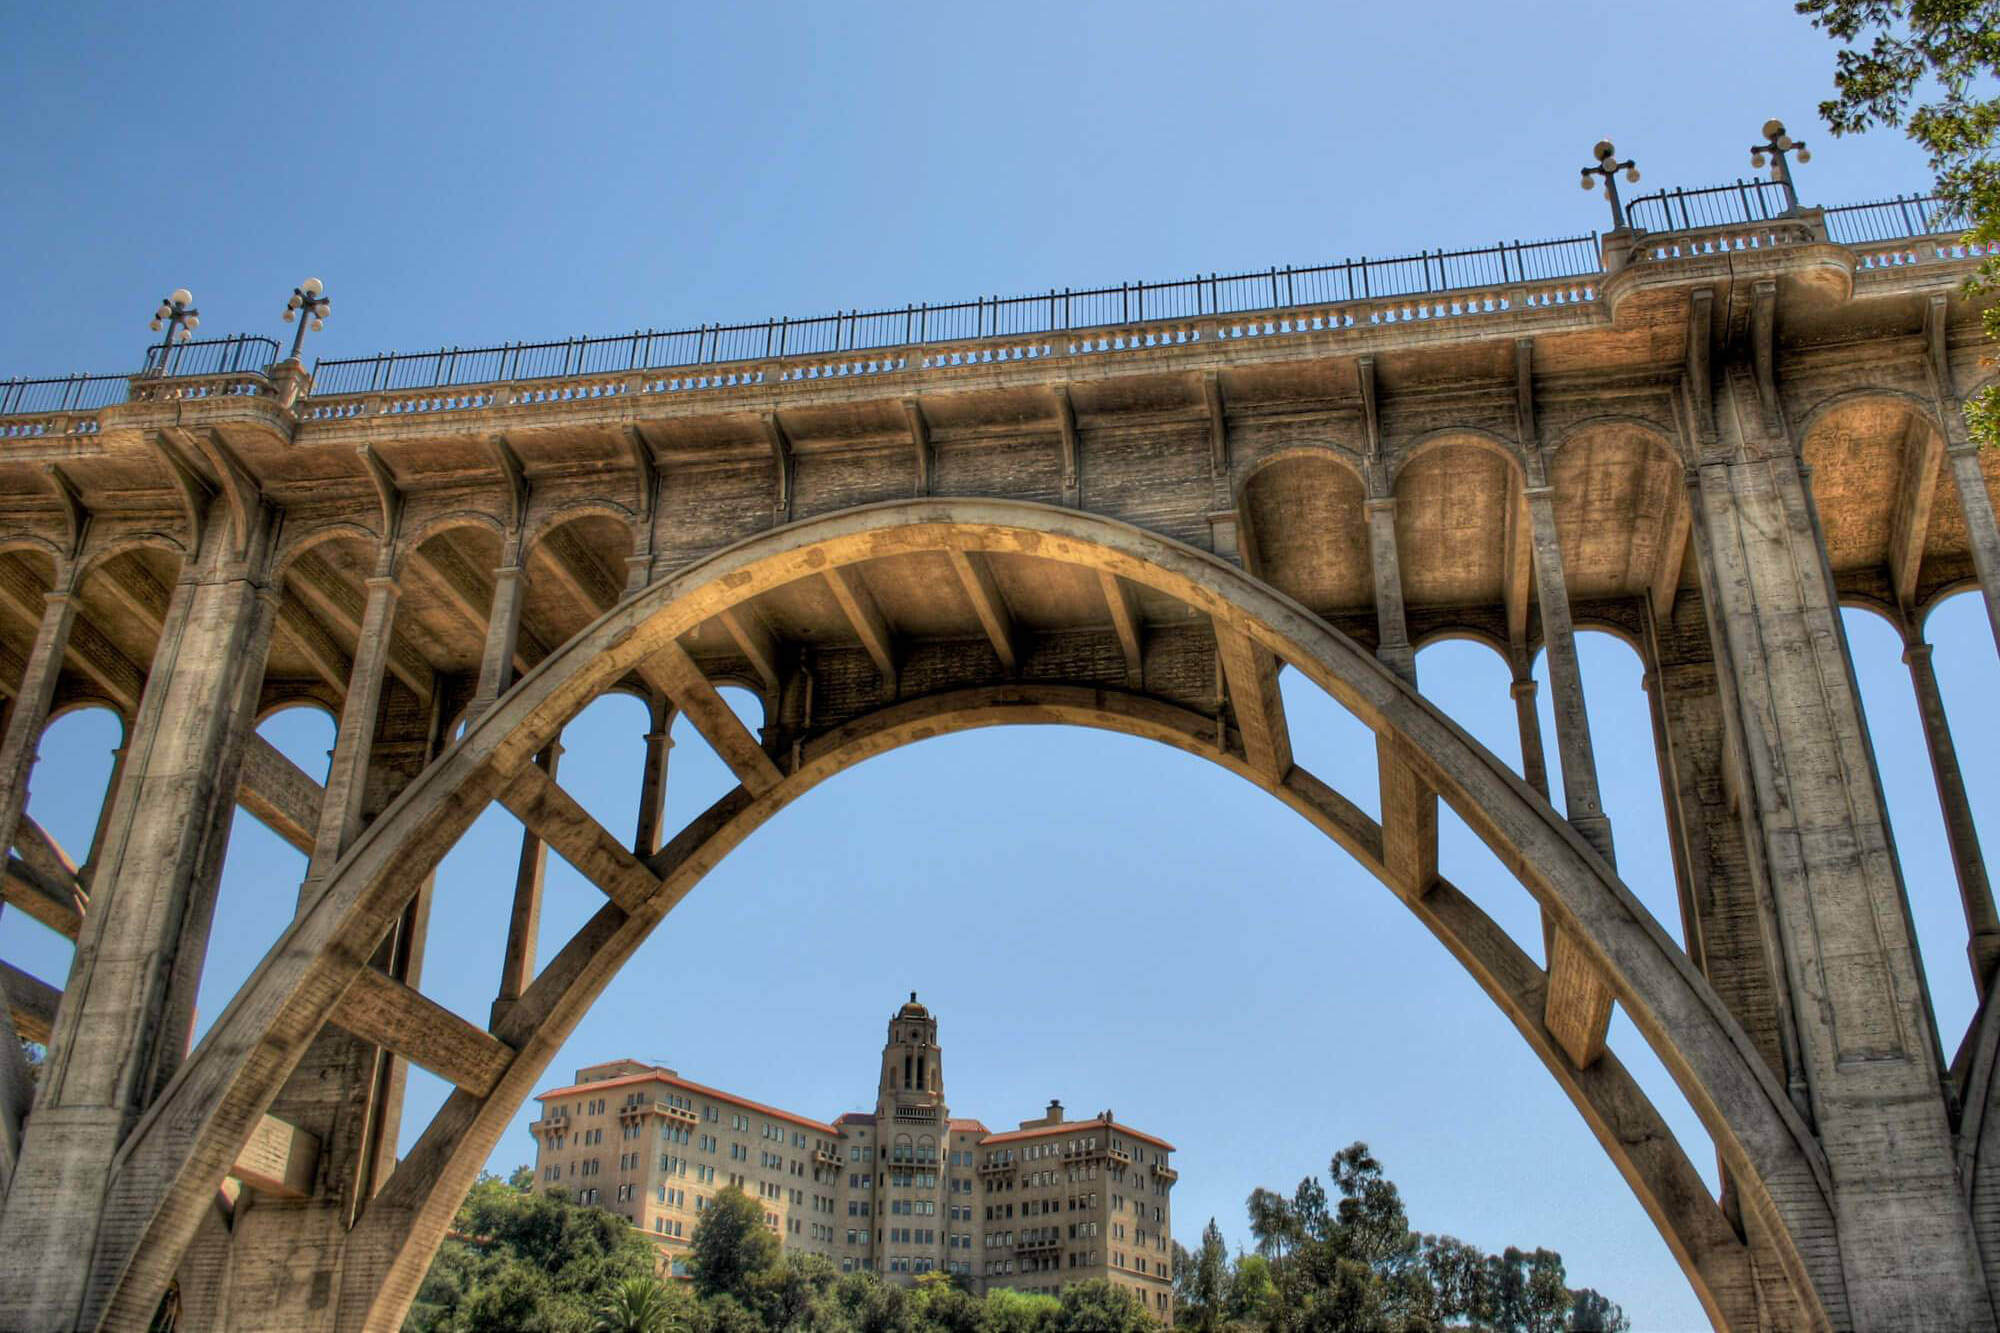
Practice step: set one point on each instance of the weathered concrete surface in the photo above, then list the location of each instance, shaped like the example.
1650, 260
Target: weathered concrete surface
1131, 528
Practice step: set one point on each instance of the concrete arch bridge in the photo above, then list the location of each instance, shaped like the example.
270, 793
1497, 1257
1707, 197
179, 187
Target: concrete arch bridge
1712, 444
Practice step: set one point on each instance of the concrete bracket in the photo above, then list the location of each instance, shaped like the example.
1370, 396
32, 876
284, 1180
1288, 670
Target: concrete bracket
920, 445
76, 517
1066, 419
1763, 354
518, 487
783, 462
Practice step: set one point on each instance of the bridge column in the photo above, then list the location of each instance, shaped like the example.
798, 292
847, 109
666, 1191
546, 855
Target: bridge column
26, 717
1982, 532
30, 710
1581, 802
1814, 808
1982, 922
1392, 627
276, 1267
503, 636
1534, 757
517, 968
144, 937
653, 783
347, 776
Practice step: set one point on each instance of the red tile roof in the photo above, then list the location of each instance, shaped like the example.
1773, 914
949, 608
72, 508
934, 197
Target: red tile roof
654, 1076
1075, 1127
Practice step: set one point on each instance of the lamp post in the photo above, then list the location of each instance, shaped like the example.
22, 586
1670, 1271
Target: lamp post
308, 303
181, 319
1608, 166
1777, 143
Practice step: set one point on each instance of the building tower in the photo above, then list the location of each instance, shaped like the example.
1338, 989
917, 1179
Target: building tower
912, 1131
912, 1067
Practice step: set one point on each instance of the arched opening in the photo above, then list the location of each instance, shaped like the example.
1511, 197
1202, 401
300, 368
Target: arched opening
78, 754
257, 897
1300, 509
1897, 734
1744, 1109
1469, 679
1453, 496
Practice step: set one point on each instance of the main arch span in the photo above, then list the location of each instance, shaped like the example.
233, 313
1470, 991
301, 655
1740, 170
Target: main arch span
1710, 445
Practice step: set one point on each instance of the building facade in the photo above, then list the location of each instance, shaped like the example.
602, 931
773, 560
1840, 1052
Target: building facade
903, 1190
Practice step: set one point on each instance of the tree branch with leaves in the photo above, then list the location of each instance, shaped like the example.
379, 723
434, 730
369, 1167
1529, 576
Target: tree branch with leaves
1932, 69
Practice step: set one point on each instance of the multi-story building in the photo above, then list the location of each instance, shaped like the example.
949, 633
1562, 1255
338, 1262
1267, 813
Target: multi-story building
904, 1190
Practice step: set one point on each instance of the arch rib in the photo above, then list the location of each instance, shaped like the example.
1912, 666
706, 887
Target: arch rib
173, 1159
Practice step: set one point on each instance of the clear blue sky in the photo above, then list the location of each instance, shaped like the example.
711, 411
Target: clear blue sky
1162, 940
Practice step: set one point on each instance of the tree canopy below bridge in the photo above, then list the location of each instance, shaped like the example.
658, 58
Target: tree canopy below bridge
1339, 1261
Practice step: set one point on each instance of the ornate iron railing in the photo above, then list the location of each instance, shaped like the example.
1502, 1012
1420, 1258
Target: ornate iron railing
1055, 311
213, 356
1893, 219
71, 393
1425, 273
1717, 206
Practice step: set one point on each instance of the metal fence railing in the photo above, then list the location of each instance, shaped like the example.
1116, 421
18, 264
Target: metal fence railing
1055, 312
213, 356
1716, 206
87, 393
71, 393
1427, 271
1893, 219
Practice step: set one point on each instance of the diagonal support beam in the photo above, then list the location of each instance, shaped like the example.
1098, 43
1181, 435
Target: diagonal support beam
328, 659
757, 643
586, 582
554, 816
44, 855
42, 881
1916, 490
976, 577
471, 596
55, 906
1252, 676
1126, 624
858, 604
335, 601
716, 721
280, 793
86, 652
31, 1001
379, 1009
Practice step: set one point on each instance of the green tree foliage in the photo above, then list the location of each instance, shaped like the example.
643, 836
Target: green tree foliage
1345, 1260
1929, 67
1201, 1283
731, 1246
640, 1305
526, 1263
1592, 1313
1337, 1255
1099, 1307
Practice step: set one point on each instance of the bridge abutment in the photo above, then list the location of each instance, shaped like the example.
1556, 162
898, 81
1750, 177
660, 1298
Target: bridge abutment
1814, 809
123, 1025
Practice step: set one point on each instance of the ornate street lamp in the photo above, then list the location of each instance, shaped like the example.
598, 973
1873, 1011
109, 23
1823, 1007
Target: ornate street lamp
307, 304
1608, 166
1777, 143
181, 319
